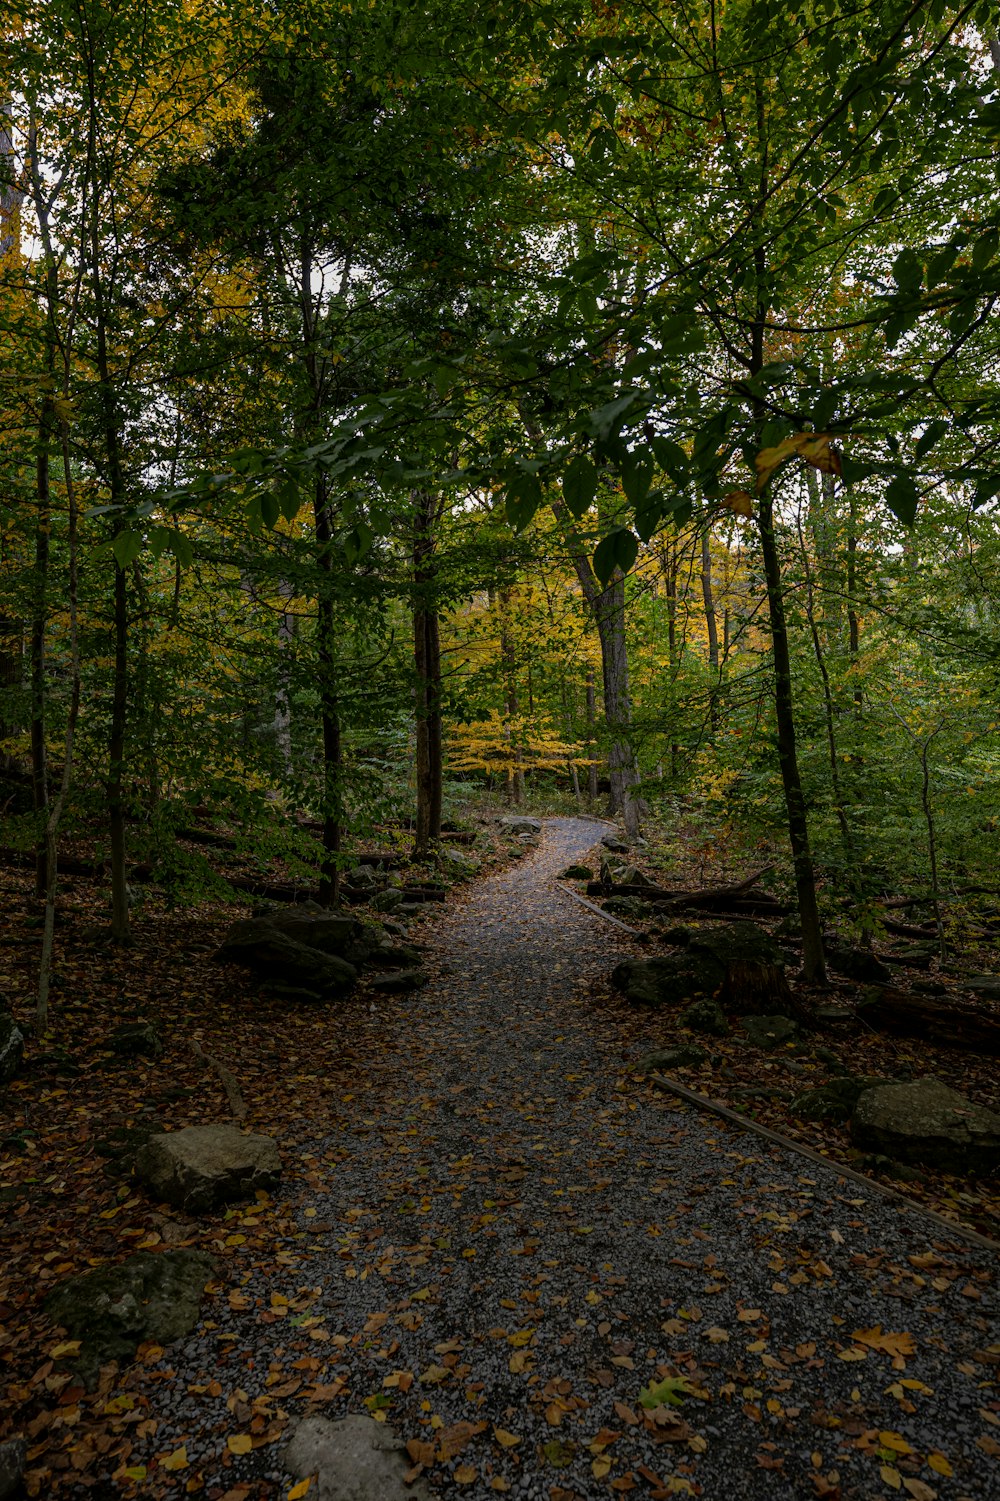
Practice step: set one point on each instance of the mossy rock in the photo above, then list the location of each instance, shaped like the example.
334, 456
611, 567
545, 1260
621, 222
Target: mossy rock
770, 1032
111, 1311
686, 1056
706, 1016
576, 873
833, 1101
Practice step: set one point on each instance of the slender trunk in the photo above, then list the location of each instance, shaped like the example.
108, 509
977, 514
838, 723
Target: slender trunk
813, 963
326, 652
515, 771
711, 626
853, 624
283, 697
39, 620
591, 740
828, 709
427, 665
58, 803
11, 633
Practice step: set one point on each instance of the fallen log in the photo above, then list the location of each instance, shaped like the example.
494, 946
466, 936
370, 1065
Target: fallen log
902, 1014
925, 932
728, 899
68, 865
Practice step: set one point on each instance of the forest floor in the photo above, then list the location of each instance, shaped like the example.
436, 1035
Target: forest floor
491, 1233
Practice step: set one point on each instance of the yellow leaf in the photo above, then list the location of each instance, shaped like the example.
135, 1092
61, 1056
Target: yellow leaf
68, 1347
852, 1354
302, 1489
600, 1468
891, 1477
813, 447
522, 1337
716, 1335
498, 1483
894, 1441
896, 1345
465, 1474
919, 1489
938, 1464
176, 1461
739, 501
239, 1443
505, 1439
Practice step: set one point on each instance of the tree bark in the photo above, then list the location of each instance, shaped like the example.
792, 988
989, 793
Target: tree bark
427, 666
711, 625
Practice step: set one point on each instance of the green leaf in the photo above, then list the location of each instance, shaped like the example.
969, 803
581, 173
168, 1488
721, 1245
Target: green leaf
636, 476
126, 547
930, 435
667, 1393
524, 496
608, 418
902, 499
270, 510
671, 458
619, 549
579, 485
181, 549
985, 249
908, 273
289, 498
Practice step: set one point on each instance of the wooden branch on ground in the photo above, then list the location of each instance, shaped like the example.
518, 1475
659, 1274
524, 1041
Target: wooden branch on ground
715, 1107
909, 930
741, 898
234, 1094
904, 1015
593, 907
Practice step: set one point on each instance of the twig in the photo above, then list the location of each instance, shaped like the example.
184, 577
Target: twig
714, 1107
233, 1092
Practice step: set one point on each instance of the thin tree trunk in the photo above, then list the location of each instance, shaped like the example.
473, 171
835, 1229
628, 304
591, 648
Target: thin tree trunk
515, 772
427, 665
326, 652
39, 620
283, 697
591, 740
829, 716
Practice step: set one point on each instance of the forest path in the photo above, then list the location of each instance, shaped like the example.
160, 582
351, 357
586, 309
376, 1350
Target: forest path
529, 1236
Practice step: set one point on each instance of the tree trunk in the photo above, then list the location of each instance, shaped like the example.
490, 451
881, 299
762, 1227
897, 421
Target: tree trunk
282, 697
427, 664
43, 527
591, 740
711, 625
508, 658
326, 652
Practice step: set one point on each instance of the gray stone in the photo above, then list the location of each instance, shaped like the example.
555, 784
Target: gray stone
399, 981
627, 906
770, 1032
457, 864
13, 1460
611, 871
576, 873
387, 900
705, 1016
666, 980
632, 876
833, 1101
926, 1122
136, 1040
395, 956
271, 950
11, 1047
201, 1167
615, 845
987, 986
520, 823
150, 1296
833, 1015
362, 878
682, 1057
857, 964
354, 1459
330, 932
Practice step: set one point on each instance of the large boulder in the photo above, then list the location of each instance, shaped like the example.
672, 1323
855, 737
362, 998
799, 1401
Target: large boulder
687, 1056
738, 962
770, 1032
13, 1460
153, 1295
272, 950
705, 1016
457, 864
576, 873
201, 1167
926, 1122
519, 823
11, 1047
135, 1040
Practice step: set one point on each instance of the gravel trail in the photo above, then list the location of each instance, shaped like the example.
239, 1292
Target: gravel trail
506, 1217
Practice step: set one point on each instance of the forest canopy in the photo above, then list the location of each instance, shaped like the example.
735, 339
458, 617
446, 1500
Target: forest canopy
565, 400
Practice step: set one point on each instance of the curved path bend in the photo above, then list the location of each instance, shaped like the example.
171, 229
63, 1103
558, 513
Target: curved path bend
514, 1235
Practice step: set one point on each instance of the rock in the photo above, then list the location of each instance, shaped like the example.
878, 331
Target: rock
457, 864
387, 900
833, 1101
354, 1459
395, 929
631, 875
576, 873
611, 872
136, 1040
987, 986
858, 964
682, 1057
677, 935
770, 1032
615, 845
399, 981
11, 1047
928, 987
705, 1016
666, 980
396, 956
13, 1460
267, 948
833, 1015
627, 906
830, 1058
519, 823
201, 1167
149, 1296
926, 1122
759, 1092
330, 932
362, 878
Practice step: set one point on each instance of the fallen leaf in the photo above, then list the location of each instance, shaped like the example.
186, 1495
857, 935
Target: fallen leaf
504, 1439
918, 1489
891, 1477
465, 1474
298, 1491
178, 1460
938, 1464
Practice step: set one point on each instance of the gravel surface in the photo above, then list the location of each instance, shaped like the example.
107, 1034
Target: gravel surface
506, 1216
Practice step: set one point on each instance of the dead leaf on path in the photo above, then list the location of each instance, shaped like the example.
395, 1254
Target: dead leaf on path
420, 1451
504, 1439
239, 1443
896, 1345
178, 1460
453, 1440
